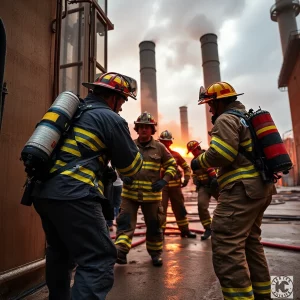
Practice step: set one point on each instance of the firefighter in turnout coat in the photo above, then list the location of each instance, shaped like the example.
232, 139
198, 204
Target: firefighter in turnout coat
71, 204
206, 186
238, 255
145, 189
173, 191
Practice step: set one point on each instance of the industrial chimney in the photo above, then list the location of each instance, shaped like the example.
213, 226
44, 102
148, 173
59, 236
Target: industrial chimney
148, 78
284, 12
211, 68
184, 124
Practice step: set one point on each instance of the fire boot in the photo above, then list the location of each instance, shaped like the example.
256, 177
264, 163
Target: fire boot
188, 234
206, 234
121, 258
157, 261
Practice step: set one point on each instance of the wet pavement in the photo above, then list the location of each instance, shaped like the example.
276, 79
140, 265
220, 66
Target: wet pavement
188, 273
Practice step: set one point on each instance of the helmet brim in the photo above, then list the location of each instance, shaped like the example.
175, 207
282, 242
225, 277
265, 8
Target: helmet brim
91, 86
203, 101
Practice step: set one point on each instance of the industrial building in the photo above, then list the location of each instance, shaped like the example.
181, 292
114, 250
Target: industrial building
51, 46
284, 12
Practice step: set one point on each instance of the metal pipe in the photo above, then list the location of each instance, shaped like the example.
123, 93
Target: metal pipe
148, 78
184, 124
57, 47
211, 68
9, 275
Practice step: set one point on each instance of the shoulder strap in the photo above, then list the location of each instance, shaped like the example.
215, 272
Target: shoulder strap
73, 163
81, 109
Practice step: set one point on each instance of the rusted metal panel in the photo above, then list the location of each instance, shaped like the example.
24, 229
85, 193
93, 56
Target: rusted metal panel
29, 77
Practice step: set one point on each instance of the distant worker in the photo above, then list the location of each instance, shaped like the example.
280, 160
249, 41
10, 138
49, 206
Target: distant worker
70, 203
206, 187
144, 189
173, 190
238, 255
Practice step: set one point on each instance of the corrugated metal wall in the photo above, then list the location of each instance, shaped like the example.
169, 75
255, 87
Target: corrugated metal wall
29, 77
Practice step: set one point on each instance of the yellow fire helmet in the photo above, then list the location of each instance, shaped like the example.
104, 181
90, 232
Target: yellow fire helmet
217, 90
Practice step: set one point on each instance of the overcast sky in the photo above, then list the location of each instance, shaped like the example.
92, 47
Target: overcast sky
249, 51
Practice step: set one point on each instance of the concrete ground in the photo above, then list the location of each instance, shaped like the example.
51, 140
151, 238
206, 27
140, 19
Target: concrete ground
188, 273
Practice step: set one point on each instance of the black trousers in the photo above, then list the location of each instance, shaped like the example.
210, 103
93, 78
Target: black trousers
76, 232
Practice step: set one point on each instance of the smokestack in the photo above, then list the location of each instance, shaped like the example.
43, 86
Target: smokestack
211, 68
148, 78
284, 12
184, 124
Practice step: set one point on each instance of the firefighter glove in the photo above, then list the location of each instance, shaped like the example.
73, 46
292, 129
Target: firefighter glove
185, 183
127, 180
195, 164
158, 185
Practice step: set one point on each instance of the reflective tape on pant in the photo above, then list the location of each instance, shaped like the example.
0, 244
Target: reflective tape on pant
238, 293
262, 287
206, 222
124, 239
155, 246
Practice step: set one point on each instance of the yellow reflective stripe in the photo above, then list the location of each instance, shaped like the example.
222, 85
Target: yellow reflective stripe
100, 184
149, 163
131, 166
206, 222
57, 164
147, 196
262, 283
60, 163
237, 290
241, 173
239, 298
202, 160
86, 142
123, 239
225, 145
80, 177
222, 152
182, 222
90, 135
245, 143
151, 168
258, 132
70, 150
169, 161
185, 165
154, 246
70, 141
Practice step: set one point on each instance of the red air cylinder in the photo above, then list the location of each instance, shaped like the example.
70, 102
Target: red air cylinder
277, 158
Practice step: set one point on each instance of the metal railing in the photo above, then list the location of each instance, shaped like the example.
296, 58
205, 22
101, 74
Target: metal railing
280, 5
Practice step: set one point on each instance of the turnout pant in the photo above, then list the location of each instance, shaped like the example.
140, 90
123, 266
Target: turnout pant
204, 196
177, 202
76, 232
238, 255
126, 222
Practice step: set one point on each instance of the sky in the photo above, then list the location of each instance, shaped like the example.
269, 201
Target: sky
249, 51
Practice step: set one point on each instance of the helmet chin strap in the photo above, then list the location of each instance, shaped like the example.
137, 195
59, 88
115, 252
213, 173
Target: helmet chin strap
115, 106
216, 115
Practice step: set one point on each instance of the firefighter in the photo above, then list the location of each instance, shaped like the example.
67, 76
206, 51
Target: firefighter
70, 204
173, 191
145, 189
238, 255
203, 179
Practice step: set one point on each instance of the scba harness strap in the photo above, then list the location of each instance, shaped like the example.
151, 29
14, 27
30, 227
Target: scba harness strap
256, 156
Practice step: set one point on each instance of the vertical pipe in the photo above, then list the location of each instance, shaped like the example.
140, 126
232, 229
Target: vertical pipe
211, 68
286, 18
148, 78
184, 124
